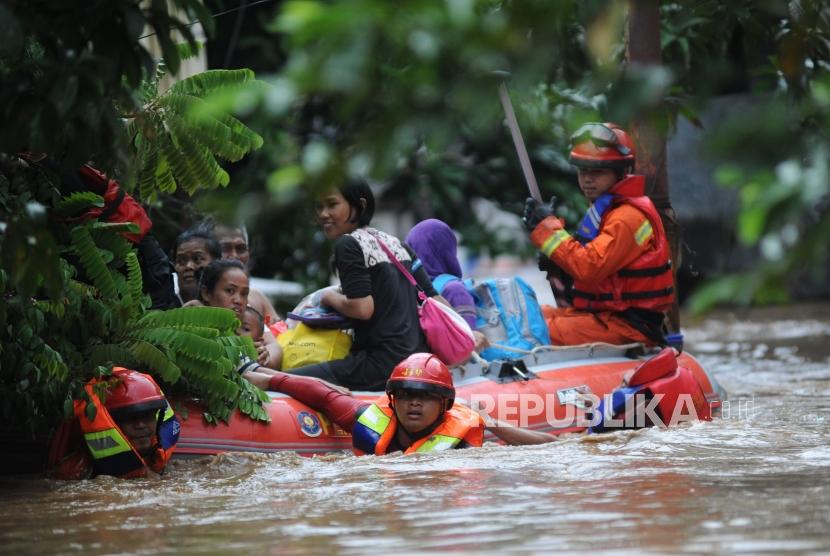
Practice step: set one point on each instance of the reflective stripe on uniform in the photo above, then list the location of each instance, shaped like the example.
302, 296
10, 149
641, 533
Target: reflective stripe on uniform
643, 233
438, 442
106, 443
374, 419
554, 241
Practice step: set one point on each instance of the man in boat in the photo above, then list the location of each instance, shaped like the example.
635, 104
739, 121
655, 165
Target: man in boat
417, 414
133, 432
618, 260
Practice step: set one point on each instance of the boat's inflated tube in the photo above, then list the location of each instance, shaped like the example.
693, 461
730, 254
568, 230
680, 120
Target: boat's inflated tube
678, 393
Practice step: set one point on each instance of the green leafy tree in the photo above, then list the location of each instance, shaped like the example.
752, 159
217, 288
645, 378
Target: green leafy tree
73, 302
406, 93
177, 136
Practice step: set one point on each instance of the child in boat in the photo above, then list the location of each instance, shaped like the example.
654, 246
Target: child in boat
437, 248
619, 261
224, 283
253, 324
416, 415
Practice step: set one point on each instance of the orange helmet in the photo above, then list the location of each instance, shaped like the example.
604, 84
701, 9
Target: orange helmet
601, 145
132, 393
424, 372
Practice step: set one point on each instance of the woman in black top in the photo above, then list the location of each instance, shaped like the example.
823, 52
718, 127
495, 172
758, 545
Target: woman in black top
381, 302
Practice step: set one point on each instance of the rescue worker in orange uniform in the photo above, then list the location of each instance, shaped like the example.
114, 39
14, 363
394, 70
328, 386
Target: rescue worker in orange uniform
134, 431
619, 260
416, 415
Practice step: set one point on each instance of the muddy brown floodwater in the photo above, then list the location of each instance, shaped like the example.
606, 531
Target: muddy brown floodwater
755, 481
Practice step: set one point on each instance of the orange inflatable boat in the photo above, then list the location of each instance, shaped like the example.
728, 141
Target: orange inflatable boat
553, 389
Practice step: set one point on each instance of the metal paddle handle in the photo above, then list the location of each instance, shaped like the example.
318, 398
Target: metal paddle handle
519, 142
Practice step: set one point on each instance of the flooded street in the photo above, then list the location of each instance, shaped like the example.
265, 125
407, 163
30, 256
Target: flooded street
756, 480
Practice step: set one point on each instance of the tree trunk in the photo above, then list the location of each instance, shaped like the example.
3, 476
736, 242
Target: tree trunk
643, 48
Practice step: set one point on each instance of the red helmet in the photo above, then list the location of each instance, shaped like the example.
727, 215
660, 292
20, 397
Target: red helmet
424, 372
131, 393
598, 145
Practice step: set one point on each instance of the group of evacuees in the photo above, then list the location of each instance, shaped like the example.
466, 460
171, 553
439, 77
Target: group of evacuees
612, 278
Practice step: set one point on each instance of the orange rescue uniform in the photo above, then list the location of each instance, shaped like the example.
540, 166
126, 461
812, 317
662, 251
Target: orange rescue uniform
627, 236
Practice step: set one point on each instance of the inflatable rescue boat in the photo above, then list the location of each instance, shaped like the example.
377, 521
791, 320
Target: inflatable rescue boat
596, 387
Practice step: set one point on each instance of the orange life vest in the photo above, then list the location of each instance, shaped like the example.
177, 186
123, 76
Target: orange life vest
646, 283
376, 427
112, 453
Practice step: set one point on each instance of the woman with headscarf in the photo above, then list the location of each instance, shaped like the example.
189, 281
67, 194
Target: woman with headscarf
437, 248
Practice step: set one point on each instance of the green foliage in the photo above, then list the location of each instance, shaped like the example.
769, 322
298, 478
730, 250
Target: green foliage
777, 153
72, 288
75, 67
52, 346
404, 93
177, 135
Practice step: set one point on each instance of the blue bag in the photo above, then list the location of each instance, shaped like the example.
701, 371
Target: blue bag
509, 314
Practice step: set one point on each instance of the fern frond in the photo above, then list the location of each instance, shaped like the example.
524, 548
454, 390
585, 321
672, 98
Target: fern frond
119, 227
238, 346
226, 136
115, 354
179, 167
79, 201
222, 134
184, 342
92, 262
242, 134
201, 163
210, 81
164, 175
135, 284
116, 244
148, 161
155, 359
213, 317
216, 379
250, 401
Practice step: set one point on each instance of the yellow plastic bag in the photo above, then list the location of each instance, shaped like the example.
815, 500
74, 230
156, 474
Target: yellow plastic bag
304, 345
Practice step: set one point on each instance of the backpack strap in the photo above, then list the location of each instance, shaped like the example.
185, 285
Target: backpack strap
440, 282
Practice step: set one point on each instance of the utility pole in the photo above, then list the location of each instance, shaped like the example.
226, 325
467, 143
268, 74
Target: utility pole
643, 48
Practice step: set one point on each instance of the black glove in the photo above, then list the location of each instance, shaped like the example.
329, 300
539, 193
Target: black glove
535, 212
545, 264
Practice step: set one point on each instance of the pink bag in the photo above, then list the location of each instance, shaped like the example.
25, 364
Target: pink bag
448, 334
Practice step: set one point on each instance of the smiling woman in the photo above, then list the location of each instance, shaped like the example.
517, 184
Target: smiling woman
382, 304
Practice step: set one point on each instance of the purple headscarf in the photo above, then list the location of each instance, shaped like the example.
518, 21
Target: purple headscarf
435, 244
